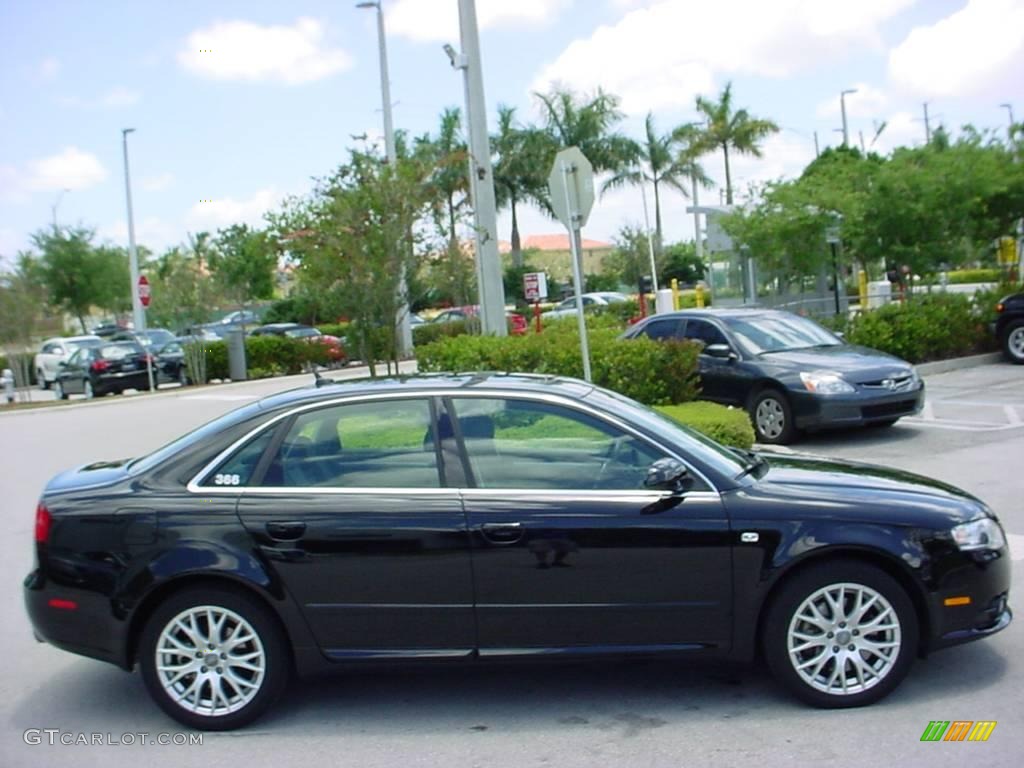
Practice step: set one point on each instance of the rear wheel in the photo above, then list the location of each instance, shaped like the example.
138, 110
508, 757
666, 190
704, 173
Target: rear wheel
41, 379
1013, 342
842, 634
182, 376
213, 658
772, 417
87, 390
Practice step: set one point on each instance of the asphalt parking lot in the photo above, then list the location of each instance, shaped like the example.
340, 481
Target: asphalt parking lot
636, 714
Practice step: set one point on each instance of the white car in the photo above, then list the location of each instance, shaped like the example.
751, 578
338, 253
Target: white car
55, 351
567, 308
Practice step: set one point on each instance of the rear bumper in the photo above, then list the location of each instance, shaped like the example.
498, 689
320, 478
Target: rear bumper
816, 412
126, 380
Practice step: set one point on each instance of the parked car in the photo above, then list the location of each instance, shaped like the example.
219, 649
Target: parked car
789, 372
170, 361
1009, 327
517, 323
151, 337
198, 333
335, 346
105, 368
239, 317
567, 307
489, 517
107, 329
55, 351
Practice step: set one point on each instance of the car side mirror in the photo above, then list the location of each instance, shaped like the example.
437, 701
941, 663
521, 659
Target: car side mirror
723, 351
667, 475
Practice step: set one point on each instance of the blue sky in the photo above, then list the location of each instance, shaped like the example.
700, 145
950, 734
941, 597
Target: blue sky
285, 86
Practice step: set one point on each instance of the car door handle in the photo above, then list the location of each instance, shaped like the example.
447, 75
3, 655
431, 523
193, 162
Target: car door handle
285, 531
502, 533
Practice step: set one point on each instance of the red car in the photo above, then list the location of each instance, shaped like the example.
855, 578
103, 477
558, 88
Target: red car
517, 324
335, 348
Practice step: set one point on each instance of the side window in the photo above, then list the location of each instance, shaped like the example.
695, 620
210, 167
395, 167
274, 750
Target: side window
526, 445
661, 329
237, 470
379, 444
77, 358
703, 331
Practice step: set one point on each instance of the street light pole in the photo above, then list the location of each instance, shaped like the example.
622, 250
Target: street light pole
1009, 109
842, 108
404, 326
56, 202
650, 239
138, 313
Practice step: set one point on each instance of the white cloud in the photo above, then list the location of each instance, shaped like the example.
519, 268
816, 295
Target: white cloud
156, 183
438, 20
70, 169
242, 50
49, 68
666, 54
150, 231
226, 211
977, 50
867, 102
120, 96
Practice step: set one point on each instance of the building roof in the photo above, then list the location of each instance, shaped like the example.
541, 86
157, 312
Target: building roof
558, 242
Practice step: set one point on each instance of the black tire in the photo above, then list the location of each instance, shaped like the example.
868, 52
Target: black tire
88, 390
182, 376
779, 429
41, 380
1013, 342
58, 390
787, 603
267, 630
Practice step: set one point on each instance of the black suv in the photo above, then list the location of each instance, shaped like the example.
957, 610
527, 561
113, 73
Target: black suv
1009, 327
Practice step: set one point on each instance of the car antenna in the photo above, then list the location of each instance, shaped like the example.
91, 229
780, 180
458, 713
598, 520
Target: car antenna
318, 380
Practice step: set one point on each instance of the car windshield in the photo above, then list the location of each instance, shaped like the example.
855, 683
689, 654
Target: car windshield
779, 333
73, 345
301, 333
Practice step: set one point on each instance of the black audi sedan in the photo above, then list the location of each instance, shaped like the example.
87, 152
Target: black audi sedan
494, 517
104, 368
788, 372
1008, 327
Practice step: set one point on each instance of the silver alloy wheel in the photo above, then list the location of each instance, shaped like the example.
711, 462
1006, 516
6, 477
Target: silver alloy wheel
210, 661
770, 418
844, 639
58, 390
41, 379
182, 377
87, 390
1015, 343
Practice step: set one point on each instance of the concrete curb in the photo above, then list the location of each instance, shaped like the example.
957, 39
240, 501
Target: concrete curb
958, 363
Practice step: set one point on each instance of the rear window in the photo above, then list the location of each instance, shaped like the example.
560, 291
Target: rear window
119, 351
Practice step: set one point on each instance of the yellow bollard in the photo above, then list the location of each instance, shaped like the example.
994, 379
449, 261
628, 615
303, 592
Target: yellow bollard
675, 293
699, 296
862, 288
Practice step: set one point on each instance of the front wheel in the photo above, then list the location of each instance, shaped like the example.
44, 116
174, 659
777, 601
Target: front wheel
41, 380
58, 390
1013, 342
182, 377
772, 417
214, 658
841, 634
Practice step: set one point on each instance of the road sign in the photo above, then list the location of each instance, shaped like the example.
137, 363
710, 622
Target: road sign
143, 288
571, 185
535, 286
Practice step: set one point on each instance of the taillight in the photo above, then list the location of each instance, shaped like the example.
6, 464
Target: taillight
99, 365
43, 522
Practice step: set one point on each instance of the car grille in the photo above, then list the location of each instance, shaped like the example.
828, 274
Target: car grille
894, 384
883, 410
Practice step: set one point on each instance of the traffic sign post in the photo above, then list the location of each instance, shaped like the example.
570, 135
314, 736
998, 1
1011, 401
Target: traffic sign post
535, 288
571, 184
145, 295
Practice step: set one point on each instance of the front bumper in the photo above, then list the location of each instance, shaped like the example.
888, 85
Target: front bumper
813, 411
982, 577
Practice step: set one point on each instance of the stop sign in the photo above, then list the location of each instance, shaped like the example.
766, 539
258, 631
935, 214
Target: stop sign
143, 289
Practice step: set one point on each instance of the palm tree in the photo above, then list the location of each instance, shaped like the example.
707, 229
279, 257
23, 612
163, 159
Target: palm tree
518, 170
727, 129
660, 160
587, 123
450, 180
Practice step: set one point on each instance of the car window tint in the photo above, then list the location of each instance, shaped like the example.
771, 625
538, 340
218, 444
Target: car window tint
77, 357
783, 331
661, 329
703, 331
519, 444
174, 348
383, 444
237, 470
118, 351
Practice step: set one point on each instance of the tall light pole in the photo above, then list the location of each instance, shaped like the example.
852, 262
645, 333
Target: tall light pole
927, 125
138, 313
842, 108
404, 326
1009, 109
481, 177
56, 202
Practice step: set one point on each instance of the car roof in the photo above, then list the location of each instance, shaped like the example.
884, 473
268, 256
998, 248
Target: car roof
84, 337
284, 325
429, 384
727, 312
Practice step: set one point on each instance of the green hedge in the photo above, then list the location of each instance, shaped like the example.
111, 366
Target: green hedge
333, 329
649, 371
431, 332
959, 276
728, 426
266, 356
926, 327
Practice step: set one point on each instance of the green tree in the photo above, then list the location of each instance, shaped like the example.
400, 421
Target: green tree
681, 263
183, 294
243, 261
22, 308
661, 160
726, 128
519, 172
631, 257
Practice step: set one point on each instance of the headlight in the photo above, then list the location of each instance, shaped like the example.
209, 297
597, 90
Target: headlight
915, 378
826, 383
984, 533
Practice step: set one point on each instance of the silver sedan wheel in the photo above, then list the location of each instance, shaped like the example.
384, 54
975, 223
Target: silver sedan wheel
844, 639
770, 418
1015, 343
210, 661
87, 390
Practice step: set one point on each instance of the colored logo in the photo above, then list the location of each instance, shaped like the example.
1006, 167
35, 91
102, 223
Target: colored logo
958, 730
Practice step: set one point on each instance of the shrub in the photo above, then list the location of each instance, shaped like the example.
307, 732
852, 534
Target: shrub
958, 276
649, 371
430, 332
266, 356
728, 426
333, 329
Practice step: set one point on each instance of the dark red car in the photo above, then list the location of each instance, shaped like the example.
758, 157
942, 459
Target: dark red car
517, 324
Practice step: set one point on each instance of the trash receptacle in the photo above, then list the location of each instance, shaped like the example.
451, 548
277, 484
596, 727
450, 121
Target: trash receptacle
235, 339
7, 382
